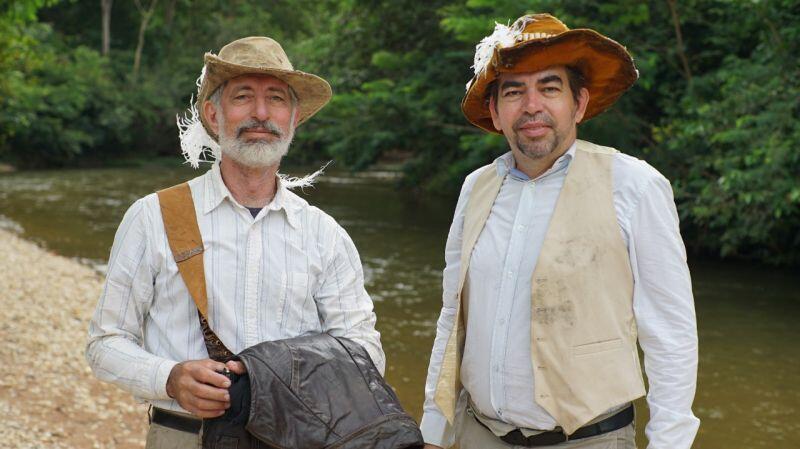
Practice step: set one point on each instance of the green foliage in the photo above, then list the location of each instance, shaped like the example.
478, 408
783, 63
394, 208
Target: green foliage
716, 111
64, 105
733, 151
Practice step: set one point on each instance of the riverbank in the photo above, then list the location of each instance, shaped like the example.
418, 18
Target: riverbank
48, 396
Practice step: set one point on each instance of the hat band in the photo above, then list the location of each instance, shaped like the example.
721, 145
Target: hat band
529, 36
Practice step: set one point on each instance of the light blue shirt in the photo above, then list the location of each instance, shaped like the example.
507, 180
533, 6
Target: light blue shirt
497, 369
496, 366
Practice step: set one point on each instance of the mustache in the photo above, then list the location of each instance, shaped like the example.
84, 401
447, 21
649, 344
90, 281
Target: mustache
539, 117
258, 125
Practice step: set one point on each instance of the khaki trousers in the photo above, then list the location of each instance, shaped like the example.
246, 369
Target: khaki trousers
160, 437
472, 435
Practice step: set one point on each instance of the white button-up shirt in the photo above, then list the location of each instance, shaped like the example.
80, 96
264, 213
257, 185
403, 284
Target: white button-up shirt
497, 369
291, 270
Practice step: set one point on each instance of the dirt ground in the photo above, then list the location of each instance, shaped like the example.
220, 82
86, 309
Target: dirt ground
48, 395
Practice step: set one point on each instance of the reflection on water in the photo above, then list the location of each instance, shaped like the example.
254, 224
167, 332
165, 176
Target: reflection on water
748, 394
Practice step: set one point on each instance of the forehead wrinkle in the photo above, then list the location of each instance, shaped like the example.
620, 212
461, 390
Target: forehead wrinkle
256, 80
537, 76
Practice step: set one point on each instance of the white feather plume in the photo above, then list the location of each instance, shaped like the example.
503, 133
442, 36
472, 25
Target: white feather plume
503, 36
200, 79
196, 144
292, 182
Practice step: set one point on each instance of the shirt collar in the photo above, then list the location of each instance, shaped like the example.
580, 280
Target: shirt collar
217, 192
507, 165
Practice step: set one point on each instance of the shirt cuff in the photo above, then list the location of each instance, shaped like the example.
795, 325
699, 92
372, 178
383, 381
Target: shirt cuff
436, 430
161, 375
668, 429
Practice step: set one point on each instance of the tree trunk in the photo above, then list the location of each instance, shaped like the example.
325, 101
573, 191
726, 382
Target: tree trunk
169, 13
105, 7
676, 23
146, 14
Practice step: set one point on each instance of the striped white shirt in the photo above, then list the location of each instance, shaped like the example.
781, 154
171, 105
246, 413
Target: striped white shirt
290, 271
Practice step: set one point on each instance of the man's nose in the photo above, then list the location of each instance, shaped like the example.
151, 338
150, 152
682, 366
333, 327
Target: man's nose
533, 101
261, 110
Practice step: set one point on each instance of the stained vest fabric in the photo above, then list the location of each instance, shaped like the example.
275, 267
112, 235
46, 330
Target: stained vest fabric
583, 331
311, 392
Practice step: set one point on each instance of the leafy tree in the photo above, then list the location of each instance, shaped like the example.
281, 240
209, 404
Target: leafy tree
715, 107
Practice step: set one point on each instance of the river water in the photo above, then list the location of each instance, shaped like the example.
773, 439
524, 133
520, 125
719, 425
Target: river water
748, 392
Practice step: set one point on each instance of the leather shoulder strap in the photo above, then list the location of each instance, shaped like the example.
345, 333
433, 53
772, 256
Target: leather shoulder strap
186, 243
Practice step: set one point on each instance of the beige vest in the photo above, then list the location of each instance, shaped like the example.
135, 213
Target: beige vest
583, 333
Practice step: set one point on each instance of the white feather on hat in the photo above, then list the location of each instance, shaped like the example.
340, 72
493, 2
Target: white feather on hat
503, 36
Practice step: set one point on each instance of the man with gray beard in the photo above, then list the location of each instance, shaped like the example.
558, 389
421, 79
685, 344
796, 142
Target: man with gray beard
271, 266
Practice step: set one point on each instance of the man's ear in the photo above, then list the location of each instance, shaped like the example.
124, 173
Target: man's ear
210, 113
296, 118
493, 111
583, 101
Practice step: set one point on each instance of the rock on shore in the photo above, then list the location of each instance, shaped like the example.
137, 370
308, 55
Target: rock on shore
48, 396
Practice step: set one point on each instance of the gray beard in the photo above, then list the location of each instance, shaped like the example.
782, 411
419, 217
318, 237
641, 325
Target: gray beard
255, 153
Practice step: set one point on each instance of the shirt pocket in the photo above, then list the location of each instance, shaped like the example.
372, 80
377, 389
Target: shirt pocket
596, 347
298, 314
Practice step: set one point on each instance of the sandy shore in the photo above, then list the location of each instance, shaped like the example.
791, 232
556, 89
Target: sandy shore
48, 396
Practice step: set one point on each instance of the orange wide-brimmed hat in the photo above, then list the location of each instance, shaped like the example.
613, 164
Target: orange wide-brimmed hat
537, 41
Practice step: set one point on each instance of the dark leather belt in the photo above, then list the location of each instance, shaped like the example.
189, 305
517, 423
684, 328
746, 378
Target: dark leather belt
615, 422
174, 421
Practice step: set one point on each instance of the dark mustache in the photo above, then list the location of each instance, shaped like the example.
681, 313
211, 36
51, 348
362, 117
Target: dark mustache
539, 117
254, 125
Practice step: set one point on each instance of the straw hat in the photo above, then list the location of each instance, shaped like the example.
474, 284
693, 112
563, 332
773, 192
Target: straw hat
247, 56
537, 41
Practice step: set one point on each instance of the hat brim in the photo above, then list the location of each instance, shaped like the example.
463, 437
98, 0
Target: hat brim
606, 65
313, 92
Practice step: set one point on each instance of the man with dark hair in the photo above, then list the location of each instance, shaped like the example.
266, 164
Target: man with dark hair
562, 256
576, 82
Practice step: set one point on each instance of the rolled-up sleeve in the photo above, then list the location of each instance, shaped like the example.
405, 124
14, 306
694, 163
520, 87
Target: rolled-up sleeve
435, 428
665, 316
345, 308
114, 348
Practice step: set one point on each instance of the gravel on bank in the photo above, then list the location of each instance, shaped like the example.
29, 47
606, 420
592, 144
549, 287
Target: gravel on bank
48, 395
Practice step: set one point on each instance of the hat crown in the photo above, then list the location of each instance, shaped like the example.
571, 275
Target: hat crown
538, 25
258, 52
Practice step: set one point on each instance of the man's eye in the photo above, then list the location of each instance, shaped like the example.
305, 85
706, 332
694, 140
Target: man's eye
240, 97
277, 98
550, 89
512, 93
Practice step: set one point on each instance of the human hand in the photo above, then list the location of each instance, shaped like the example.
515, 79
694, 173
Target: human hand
236, 367
199, 387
